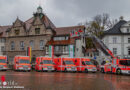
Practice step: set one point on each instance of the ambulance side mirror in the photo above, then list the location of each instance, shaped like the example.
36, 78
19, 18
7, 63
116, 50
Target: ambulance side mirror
63, 63
17, 62
83, 63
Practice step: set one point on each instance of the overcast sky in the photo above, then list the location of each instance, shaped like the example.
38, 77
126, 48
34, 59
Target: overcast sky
63, 12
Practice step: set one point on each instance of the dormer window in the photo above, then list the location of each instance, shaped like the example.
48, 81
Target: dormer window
127, 30
17, 32
37, 30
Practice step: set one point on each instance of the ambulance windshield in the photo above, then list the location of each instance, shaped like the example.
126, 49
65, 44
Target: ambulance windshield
2, 61
125, 62
68, 62
47, 62
24, 61
88, 63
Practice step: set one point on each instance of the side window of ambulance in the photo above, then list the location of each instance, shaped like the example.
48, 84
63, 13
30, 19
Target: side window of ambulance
83, 63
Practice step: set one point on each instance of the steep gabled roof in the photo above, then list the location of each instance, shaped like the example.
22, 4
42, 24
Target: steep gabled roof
67, 30
28, 23
45, 20
3, 30
116, 28
48, 22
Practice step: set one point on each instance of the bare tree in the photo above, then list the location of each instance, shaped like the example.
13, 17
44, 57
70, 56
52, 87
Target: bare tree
99, 24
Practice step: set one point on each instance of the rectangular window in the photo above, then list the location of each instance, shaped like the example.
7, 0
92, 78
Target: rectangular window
115, 51
21, 45
2, 48
37, 30
41, 44
65, 49
47, 50
2, 40
32, 44
128, 40
66, 38
128, 51
12, 45
60, 38
96, 53
127, 30
17, 32
114, 39
57, 48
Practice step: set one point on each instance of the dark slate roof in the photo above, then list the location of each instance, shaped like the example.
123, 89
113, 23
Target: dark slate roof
116, 28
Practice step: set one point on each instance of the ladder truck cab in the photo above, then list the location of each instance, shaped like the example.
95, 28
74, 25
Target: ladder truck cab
44, 64
3, 63
65, 64
22, 63
84, 65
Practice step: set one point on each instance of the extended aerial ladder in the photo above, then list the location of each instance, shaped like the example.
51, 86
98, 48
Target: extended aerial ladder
96, 41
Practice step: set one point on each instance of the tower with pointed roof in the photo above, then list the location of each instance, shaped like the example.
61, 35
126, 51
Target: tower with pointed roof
39, 12
39, 9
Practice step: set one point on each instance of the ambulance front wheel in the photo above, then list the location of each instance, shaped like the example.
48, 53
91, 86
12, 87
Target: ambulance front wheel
86, 70
118, 71
102, 70
65, 70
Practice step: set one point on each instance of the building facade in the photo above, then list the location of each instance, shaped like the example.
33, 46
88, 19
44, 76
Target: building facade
64, 45
117, 39
3, 39
33, 33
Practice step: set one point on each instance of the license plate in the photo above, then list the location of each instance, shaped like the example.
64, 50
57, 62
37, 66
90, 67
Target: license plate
73, 69
25, 68
49, 68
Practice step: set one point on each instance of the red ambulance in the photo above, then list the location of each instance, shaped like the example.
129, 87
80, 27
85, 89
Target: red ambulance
44, 64
84, 65
3, 63
22, 63
65, 64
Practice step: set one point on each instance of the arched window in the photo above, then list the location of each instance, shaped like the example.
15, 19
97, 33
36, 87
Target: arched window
32, 44
12, 45
41, 44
